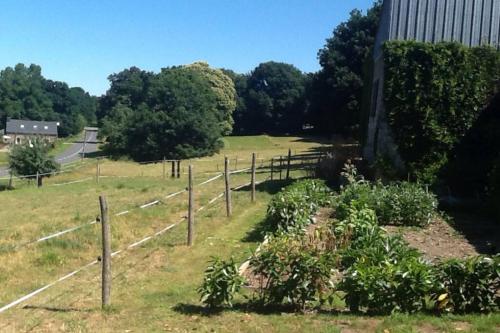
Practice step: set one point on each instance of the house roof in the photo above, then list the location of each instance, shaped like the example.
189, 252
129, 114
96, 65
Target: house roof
18, 126
469, 22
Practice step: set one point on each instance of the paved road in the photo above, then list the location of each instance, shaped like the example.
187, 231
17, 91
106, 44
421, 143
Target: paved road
72, 154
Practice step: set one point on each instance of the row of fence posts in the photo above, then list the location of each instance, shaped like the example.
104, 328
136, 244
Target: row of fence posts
280, 168
105, 226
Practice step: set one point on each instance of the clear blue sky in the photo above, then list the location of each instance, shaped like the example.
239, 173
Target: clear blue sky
81, 42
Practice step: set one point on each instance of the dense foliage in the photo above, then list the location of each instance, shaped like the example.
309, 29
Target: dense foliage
221, 282
294, 207
336, 90
178, 113
294, 270
401, 203
434, 94
470, 285
273, 100
26, 94
31, 158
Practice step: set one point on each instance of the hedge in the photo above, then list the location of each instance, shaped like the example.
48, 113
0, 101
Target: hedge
434, 93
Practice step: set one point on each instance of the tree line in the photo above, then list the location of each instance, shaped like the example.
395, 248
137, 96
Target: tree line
26, 94
184, 111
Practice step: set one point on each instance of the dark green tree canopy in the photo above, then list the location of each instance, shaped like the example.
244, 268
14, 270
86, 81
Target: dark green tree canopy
336, 90
274, 99
177, 118
26, 94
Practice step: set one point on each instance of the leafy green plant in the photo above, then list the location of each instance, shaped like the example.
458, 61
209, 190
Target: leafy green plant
387, 286
470, 285
293, 270
401, 203
222, 280
294, 207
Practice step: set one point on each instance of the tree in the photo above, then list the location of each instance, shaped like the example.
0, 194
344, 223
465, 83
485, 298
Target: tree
26, 94
274, 100
22, 94
32, 158
240, 84
224, 90
336, 90
179, 118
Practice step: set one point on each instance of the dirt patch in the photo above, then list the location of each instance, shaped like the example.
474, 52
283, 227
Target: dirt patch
438, 241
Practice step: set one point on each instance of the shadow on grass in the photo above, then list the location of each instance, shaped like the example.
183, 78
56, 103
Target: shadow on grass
259, 308
54, 309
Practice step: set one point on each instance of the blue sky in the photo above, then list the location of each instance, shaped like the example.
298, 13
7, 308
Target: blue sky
81, 42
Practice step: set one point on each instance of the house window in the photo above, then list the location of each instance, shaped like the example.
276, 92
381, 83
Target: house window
35, 126
18, 140
45, 127
22, 126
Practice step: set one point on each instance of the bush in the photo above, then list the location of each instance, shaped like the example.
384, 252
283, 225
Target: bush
222, 280
434, 93
470, 285
401, 203
406, 285
293, 270
294, 207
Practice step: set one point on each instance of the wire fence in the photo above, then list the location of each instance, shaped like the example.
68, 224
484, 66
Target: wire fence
270, 170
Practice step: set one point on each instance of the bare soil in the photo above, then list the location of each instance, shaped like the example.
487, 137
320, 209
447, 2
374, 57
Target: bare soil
438, 241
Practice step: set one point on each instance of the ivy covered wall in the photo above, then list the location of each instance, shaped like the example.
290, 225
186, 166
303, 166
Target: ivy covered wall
433, 95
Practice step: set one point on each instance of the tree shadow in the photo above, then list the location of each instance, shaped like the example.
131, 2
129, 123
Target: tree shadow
481, 231
257, 308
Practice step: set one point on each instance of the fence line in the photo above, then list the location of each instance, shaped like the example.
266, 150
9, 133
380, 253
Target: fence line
131, 246
146, 205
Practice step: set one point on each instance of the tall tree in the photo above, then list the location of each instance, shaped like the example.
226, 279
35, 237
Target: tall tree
179, 118
336, 90
224, 90
240, 82
274, 99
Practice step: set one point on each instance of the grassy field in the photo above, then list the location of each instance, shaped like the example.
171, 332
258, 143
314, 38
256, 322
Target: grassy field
154, 284
4, 158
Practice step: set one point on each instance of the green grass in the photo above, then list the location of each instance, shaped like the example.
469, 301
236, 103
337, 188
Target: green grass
153, 288
4, 158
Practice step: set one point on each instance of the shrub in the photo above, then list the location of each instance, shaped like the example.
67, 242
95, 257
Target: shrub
222, 280
471, 285
401, 203
293, 270
406, 285
294, 207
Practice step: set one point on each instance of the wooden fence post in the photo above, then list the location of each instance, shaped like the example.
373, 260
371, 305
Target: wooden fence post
106, 252
11, 181
164, 166
228, 188
272, 168
178, 168
84, 144
38, 182
253, 177
190, 236
288, 164
172, 173
281, 165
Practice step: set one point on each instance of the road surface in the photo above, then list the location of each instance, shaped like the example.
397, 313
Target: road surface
72, 154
